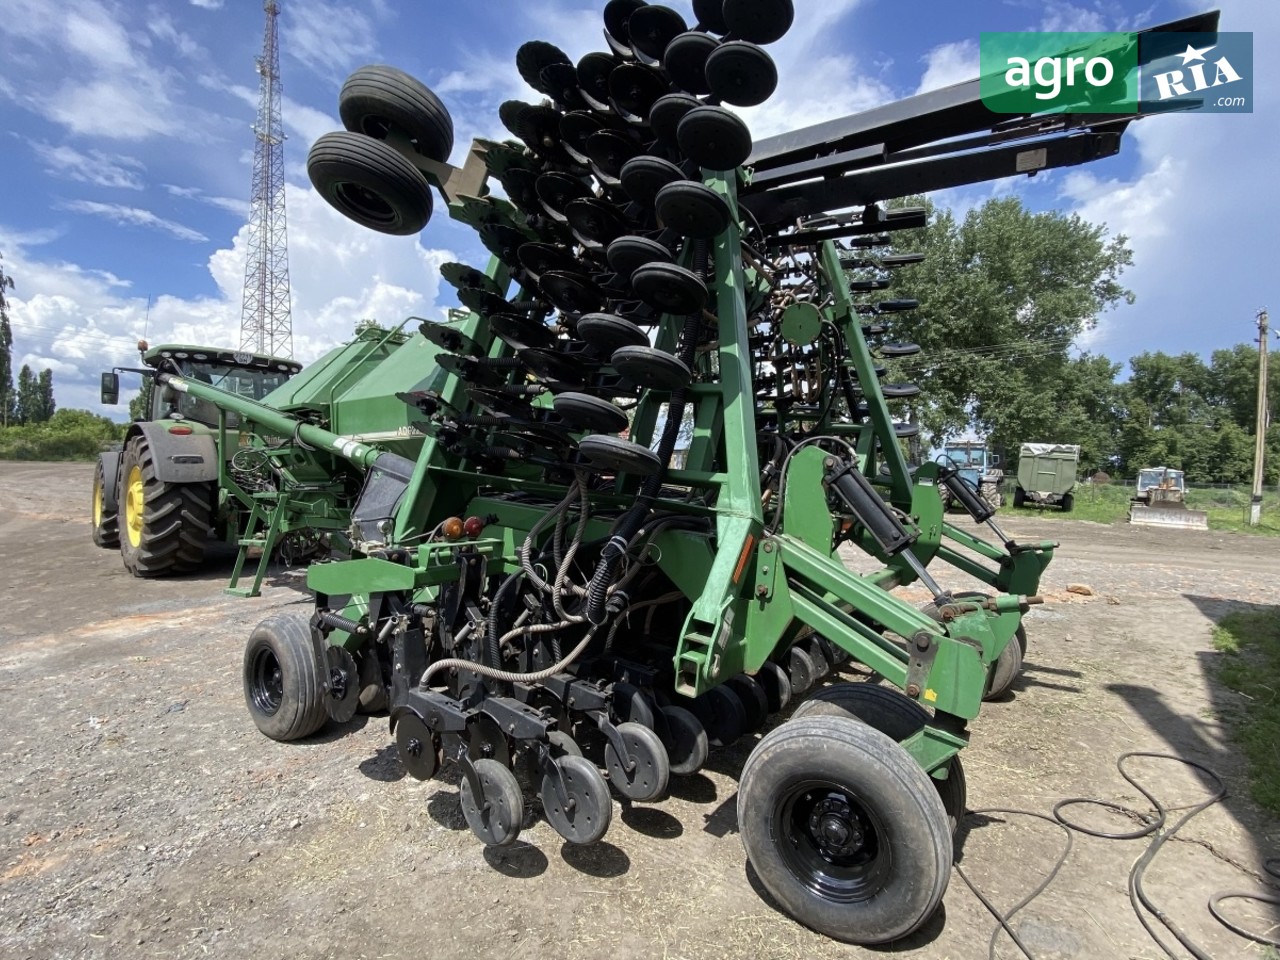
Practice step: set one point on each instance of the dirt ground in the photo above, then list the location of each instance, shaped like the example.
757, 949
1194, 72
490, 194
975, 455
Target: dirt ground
143, 815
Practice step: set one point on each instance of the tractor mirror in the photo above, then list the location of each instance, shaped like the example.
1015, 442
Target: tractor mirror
995, 459
110, 389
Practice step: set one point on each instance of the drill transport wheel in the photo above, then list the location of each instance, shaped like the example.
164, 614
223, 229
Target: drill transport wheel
844, 829
282, 679
895, 715
369, 182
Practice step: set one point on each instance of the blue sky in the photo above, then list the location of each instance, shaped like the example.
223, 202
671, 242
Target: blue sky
126, 152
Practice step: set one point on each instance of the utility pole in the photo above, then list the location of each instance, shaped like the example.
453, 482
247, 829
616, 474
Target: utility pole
1260, 449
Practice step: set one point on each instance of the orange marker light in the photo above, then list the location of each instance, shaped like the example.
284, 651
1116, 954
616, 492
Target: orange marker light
452, 528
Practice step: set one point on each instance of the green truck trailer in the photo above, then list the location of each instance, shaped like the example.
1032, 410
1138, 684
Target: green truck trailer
1047, 475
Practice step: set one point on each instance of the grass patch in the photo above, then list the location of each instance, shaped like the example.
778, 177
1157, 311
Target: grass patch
1228, 510
1250, 665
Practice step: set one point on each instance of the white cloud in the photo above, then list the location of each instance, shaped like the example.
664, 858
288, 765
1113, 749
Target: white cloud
207, 4
949, 64
86, 321
85, 71
231, 204
1062, 17
133, 216
94, 166
329, 38
819, 79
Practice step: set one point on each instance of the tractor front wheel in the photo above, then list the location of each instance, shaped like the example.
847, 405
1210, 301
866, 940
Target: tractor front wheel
106, 521
166, 525
844, 829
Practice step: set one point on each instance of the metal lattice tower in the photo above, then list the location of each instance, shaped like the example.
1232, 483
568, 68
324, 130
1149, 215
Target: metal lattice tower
265, 322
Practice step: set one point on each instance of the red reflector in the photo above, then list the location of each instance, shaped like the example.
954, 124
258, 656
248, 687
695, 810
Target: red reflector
181, 431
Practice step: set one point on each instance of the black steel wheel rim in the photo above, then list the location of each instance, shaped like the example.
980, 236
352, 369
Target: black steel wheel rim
831, 841
364, 202
267, 685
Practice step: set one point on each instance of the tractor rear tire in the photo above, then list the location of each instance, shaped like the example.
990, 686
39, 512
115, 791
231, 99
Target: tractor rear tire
844, 829
106, 522
282, 679
166, 526
990, 492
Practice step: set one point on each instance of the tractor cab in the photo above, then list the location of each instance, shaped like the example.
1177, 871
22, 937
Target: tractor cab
243, 374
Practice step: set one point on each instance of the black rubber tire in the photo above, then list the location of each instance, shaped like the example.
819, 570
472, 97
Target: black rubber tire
909, 824
685, 739
895, 715
755, 701
282, 679
1019, 497
376, 98
721, 714
801, 670
776, 684
176, 518
104, 521
648, 781
1068, 502
370, 183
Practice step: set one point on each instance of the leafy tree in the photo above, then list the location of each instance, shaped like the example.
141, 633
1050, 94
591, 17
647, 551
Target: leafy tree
1233, 384
1003, 293
44, 389
140, 405
28, 396
6, 352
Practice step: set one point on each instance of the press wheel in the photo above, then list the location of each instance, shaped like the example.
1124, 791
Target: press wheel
685, 739
585, 819
722, 714
650, 770
754, 700
692, 210
495, 816
714, 138
615, 455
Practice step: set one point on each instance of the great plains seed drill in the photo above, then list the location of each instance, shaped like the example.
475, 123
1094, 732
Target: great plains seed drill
539, 593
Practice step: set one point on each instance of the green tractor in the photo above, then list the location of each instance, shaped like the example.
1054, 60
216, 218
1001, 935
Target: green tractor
192, 472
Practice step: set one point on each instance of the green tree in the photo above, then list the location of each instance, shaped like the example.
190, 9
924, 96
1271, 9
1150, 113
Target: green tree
1003, 294
6, 351
44, 390
140, 405
28, 396
1233, 383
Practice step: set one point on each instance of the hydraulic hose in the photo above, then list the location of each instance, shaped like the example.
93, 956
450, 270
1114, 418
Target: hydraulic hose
620, 542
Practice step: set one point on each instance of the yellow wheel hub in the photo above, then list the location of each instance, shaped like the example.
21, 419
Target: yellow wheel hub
97, 503
134, 501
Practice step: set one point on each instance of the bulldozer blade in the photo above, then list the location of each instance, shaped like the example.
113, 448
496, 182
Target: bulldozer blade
1171, 516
